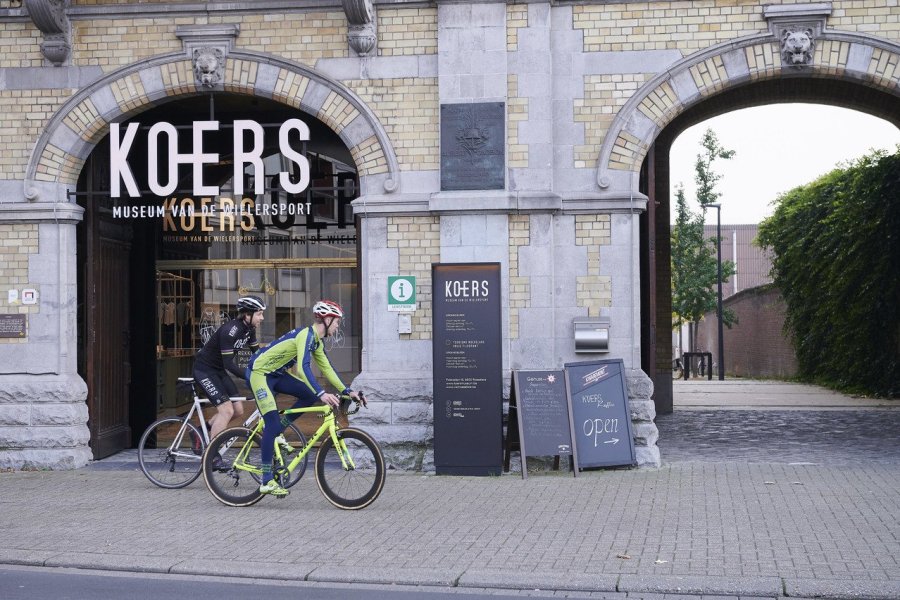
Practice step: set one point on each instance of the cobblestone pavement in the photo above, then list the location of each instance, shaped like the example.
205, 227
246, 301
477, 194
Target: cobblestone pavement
825, 437
748, 504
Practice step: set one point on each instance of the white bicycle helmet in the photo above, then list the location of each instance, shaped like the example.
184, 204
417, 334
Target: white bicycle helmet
327, 308
250, 304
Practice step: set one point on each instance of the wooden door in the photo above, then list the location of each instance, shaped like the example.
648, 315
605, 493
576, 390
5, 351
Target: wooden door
106, 316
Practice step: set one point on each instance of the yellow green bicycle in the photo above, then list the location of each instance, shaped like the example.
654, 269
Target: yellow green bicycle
349, 465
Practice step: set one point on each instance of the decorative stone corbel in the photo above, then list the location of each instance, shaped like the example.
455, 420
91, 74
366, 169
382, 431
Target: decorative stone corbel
50, 17
797, 45
797, 26
207, 46
209, 66
362, 32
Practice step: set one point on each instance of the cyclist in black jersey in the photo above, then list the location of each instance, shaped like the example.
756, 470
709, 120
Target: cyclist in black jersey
216, 360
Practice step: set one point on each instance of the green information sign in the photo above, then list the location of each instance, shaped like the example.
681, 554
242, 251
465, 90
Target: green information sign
401, 292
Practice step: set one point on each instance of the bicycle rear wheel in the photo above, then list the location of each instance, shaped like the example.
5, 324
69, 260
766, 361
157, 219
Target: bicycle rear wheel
234, 480
167, 453
360, 483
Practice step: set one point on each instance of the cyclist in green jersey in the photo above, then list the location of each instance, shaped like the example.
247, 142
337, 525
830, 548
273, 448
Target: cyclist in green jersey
268, 375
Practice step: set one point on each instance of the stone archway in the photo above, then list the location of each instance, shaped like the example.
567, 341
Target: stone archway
60, 152
861, 59
57, 159
850, 69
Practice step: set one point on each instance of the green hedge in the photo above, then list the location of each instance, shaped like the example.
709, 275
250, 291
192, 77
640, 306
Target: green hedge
836, 245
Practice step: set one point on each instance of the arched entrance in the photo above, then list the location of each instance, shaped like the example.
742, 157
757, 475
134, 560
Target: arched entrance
841, 68
161, 265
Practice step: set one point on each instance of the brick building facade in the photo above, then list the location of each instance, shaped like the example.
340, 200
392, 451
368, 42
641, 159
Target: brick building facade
591, 94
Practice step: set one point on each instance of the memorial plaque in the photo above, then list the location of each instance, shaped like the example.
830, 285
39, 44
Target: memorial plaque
468, 369
600, 415
473, 146
13, 326
541, 426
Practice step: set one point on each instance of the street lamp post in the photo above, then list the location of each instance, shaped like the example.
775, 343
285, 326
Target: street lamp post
718, 208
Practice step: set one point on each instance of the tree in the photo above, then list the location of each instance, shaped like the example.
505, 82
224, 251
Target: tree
836, 246
694, 264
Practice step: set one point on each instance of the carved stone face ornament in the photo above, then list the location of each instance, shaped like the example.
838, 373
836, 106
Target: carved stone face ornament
208, 66
797, 46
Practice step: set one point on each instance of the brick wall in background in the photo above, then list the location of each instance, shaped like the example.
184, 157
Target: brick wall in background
756, 346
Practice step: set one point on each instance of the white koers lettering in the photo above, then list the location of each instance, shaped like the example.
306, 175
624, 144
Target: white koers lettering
466, 289
246, 153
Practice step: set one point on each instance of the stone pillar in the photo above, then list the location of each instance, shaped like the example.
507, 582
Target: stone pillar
43, 414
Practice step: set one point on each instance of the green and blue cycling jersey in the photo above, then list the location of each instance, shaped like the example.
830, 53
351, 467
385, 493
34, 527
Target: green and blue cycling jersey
298, 347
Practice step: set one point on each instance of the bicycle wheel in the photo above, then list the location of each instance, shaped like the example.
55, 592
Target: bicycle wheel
166, 453
233, 481
357, 486
297, 440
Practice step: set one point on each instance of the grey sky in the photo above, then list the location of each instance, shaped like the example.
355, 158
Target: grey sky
778, 147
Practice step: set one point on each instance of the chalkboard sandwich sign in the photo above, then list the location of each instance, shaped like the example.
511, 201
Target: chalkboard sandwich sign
600, 416
539, 423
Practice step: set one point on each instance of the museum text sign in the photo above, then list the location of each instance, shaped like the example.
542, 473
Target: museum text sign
468, 369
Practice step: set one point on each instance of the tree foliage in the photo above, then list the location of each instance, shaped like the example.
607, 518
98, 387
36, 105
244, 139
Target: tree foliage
836, 245
694, 258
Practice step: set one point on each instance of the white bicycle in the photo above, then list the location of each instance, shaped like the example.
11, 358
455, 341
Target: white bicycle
170, 452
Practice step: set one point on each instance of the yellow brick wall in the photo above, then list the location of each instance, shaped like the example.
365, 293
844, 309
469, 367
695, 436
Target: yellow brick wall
516, 112
604, 95
409, 111
23, 117
593, 290
519, 284
112, 44
885, 67
17, 243
875, 17
20, 45
690, 26
516, 19
303, 37
418, 242
407, 31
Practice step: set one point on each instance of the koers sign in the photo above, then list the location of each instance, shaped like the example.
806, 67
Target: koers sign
245, 152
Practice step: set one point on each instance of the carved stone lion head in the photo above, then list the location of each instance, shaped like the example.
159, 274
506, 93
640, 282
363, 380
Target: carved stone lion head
797, 46
208, 66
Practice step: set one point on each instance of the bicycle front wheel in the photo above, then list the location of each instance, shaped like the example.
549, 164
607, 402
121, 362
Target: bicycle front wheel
355, 482
232, 466
169, 453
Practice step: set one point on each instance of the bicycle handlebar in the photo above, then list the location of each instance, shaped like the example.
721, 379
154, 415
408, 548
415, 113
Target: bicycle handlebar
347, 400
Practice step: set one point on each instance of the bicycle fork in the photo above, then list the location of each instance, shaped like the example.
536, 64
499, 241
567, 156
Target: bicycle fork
341, 447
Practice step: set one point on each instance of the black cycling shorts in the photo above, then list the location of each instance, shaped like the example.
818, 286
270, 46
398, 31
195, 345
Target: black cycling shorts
217, 385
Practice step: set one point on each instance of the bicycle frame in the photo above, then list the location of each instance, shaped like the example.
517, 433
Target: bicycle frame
328, 426
197, 408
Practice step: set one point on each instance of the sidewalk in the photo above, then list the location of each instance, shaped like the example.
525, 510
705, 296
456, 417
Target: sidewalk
707, 528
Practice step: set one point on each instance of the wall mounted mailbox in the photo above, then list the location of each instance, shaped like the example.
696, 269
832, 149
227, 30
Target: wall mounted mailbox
591, 334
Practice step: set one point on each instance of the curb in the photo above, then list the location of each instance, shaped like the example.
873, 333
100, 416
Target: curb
764, 587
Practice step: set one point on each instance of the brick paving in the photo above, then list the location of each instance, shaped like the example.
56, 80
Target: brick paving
747, 504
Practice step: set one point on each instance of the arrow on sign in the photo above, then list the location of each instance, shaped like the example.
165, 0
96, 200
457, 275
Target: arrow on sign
612, 441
